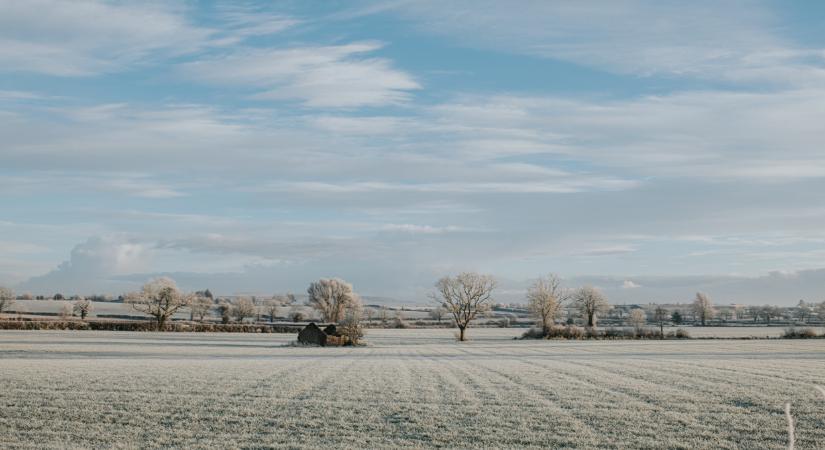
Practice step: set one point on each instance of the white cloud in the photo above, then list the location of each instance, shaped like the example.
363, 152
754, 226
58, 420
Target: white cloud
129, 184
93, 264
243, 21
87, 37
335, 76
608, 250
629, 284
715, 135
421, 229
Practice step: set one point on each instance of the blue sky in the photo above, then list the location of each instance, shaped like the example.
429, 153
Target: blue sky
652, 149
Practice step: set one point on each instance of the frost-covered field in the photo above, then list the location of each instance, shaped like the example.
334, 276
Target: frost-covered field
408, 388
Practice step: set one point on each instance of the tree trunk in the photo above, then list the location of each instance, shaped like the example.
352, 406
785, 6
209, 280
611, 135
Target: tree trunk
590, 320
662, 330
161, 323
461, 334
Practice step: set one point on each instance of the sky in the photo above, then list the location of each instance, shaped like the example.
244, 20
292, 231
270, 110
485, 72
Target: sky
651, 149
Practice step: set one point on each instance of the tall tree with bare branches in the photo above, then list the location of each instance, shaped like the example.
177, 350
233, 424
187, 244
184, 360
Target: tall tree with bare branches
464, 296
332, 297
201, 305
660, 316
703, 307
637, 319
82, 307
6, 298
591, 302
545, 297
159, 298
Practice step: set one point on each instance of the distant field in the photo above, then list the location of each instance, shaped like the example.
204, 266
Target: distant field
408, 388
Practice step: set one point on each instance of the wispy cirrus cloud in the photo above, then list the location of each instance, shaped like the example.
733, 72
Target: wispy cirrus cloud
333, 76
88, 37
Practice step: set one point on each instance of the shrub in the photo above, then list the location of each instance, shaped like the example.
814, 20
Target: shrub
679, 334
142, 326
533, 333
399, 322
576, 332
803, 333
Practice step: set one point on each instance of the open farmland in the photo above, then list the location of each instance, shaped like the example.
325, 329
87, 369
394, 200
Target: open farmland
408, 388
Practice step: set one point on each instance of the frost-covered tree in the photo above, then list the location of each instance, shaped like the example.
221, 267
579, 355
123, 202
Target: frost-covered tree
277, 302
243, 308
819, 309
637, 318
65, 311
159, 298
351, 325
201, 305
768, 312
591, 302
82, 307
437, 313
464, 297
803, 310
660, 316
271, 307
331, 297
224, 310
703, 307
544, 298
6, 299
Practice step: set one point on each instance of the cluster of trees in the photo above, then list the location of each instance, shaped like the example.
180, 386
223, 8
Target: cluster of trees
463, 298
334, 299
80, 307
468, 294
161, 298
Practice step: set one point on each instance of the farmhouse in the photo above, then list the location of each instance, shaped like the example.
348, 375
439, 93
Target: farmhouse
313, 335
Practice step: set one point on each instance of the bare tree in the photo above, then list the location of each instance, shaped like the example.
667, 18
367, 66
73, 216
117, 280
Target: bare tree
224, 310
464, 297
243, 308
271, 307
331, 297
804, 311
637, 319
65, 311
160, 298
769, 312
383, 316
591, 302
739, 312
201, 305
278, 301
703, 307
545, 298
819, 309
83, 307
438, 313
660, 316
6, 299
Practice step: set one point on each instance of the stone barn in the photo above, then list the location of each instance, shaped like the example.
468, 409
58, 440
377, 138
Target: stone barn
312, 335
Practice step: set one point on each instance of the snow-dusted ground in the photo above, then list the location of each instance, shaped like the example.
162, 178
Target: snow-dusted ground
408, 388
